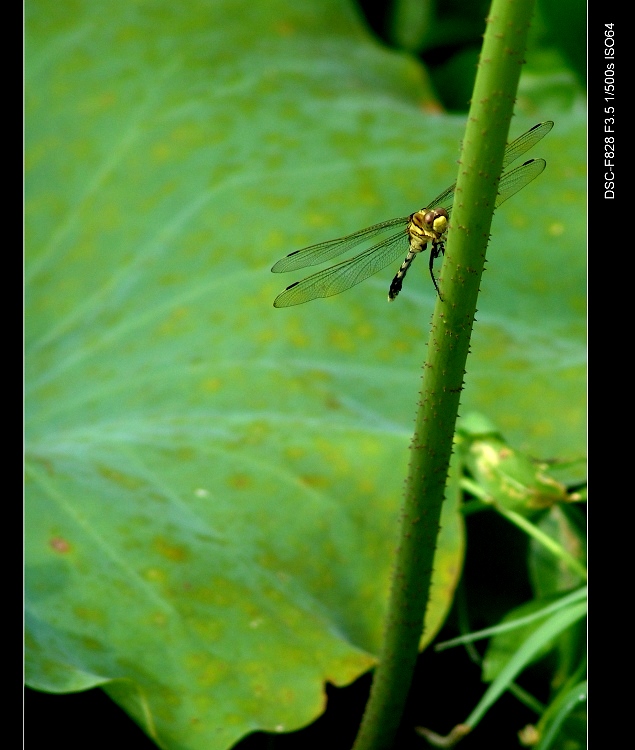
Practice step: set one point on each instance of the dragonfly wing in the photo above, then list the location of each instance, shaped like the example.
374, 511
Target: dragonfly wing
444, 200
344, 275
316, 254
516, 179
515, 149
525, 141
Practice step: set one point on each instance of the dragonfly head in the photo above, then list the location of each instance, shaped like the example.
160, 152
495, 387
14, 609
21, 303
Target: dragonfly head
436, 220
428, 224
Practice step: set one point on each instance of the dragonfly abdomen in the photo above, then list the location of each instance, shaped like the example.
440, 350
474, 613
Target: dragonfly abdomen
397, 282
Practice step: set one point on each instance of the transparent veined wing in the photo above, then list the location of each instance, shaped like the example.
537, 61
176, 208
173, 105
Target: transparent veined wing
516, 179
316, 254
526, 141
347, 273
513, 150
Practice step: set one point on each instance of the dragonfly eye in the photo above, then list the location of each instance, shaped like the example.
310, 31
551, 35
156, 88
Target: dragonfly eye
428, 219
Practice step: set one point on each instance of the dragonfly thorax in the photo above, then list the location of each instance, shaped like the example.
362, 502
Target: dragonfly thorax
425, 226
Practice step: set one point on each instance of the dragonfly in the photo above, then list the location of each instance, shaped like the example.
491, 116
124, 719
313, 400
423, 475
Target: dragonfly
427, 226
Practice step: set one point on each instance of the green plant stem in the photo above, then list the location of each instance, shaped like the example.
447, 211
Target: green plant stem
431, 446
575, 566
547, 632
529, 528
573, 598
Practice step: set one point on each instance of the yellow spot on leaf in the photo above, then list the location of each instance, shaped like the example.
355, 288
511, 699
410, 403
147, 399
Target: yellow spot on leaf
240, 481
124, 480
313, 480
556, 229
173, 552
211, 384
90, 614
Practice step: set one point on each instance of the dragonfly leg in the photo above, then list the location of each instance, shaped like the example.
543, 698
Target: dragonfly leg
438, 248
